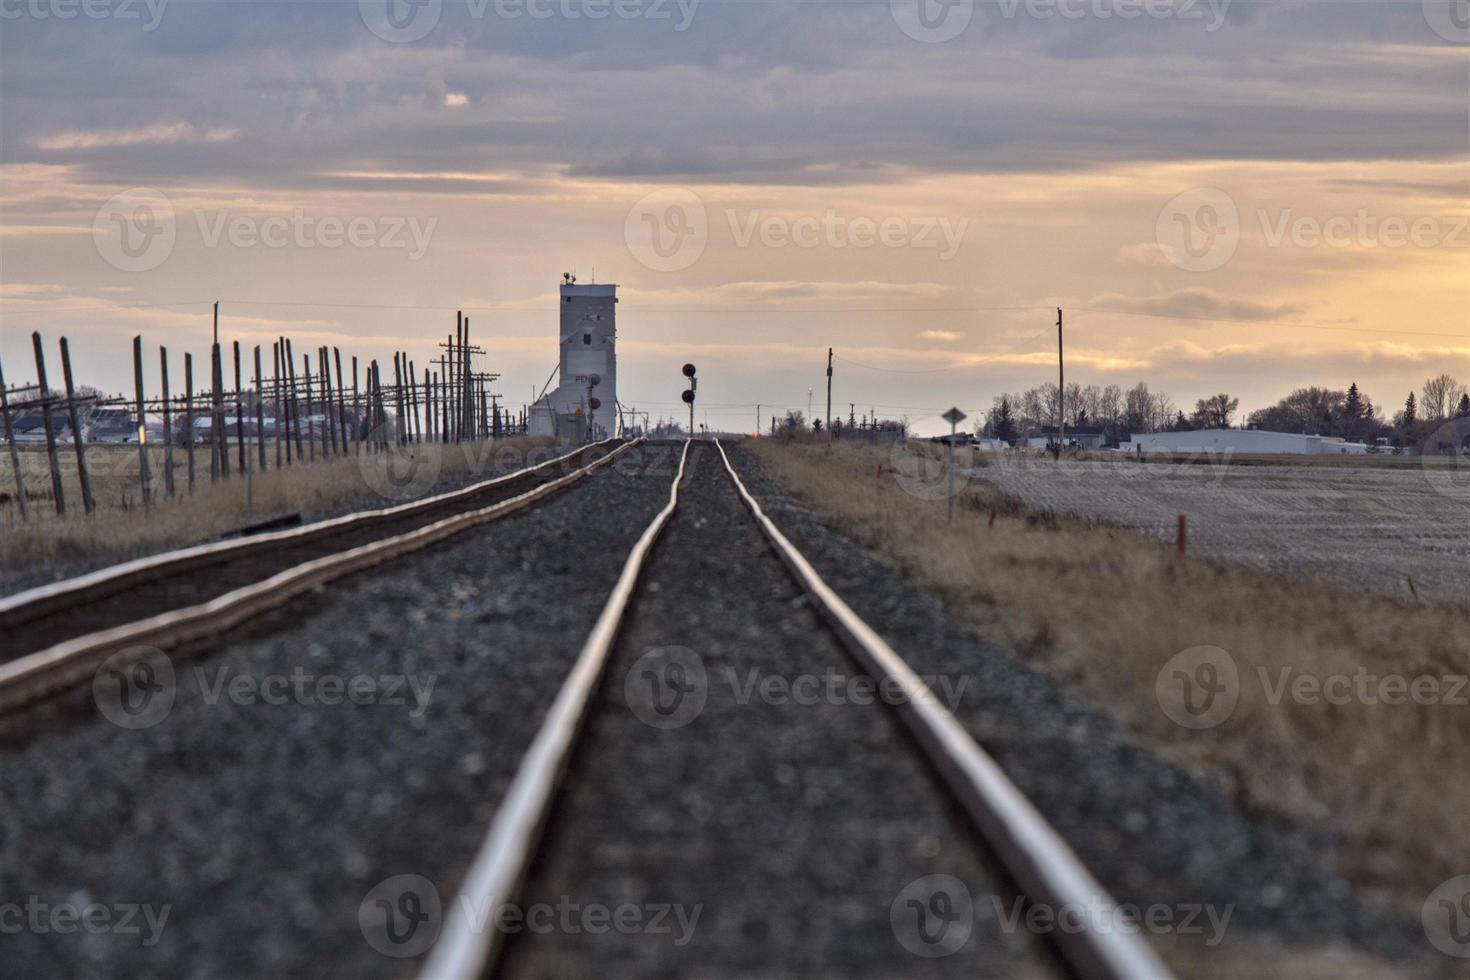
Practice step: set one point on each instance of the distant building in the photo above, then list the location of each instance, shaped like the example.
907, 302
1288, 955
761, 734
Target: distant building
1242, 441
1082, 436
588, 348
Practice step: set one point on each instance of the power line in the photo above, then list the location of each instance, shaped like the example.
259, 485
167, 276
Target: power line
767, 311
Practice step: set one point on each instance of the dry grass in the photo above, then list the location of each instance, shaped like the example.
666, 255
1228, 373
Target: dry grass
1106, 610
47, 546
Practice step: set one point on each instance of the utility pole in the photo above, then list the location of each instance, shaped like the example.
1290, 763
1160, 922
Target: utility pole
757, 418
829, 393
1061, 389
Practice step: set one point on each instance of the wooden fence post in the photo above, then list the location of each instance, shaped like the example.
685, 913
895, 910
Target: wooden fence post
413, 396
276, 384
356, 410
329, 427
310, 409
144, 476
290, 361
239, 411
341, 399
189, 415
56, 487
20, 483
259, 412
214, 414
88, 504
168, 425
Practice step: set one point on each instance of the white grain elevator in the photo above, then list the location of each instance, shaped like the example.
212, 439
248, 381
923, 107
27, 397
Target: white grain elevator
588, 348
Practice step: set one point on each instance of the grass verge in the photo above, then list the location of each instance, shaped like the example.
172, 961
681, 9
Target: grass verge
47, 546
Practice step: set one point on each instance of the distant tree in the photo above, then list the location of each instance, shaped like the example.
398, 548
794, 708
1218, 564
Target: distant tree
1350, 422
1181, 424
1300, 412
1215, 412
1463, 412
795, 419
1411, 413
1138, 409
816, 425
1440, 396
1003, 424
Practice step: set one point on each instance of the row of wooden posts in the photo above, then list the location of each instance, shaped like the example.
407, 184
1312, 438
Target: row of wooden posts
451, 405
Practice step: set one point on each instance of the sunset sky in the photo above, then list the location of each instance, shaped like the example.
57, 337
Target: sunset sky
1230, 196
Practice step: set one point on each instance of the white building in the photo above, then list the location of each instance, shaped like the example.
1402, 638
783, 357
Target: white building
1242, 442
588, 335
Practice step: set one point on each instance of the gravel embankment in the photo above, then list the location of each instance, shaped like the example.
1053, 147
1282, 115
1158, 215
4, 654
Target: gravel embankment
261, 828
1148, 829
789, 829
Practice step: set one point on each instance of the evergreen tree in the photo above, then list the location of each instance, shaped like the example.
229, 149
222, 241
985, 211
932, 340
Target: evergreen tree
1352, 413
1411, 411
1004, 422
1463, 412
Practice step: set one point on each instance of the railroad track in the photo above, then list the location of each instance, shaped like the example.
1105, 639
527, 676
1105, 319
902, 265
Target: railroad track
995, 813
52, 640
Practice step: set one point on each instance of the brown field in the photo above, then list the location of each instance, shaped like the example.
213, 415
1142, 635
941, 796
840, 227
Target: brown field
46, 546
1106, 610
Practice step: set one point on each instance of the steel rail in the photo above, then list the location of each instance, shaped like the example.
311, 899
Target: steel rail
466, 948
35, 675
22, 607
1035, 855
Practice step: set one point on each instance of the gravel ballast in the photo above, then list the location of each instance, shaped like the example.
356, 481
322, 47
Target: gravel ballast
262, 828
780, 815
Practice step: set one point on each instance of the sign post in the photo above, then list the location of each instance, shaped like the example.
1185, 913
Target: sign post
954, 417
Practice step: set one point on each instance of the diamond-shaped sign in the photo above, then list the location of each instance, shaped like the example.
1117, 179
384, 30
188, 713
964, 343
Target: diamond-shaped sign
954, 416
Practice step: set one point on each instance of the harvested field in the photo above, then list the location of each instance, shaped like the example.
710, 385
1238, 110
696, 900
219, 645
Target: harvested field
1374, 527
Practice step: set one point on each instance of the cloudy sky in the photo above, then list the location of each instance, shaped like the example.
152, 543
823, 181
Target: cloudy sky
1227, 195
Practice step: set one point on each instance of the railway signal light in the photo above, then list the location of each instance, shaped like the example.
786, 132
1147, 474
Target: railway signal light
688, 395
